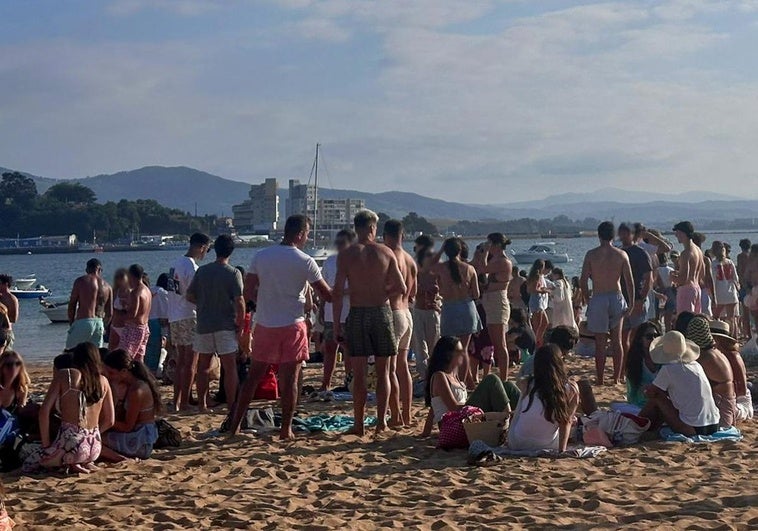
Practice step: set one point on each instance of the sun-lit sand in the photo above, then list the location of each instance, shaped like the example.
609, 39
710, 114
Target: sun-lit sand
398, 481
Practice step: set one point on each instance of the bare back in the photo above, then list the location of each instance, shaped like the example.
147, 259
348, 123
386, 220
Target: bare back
451, 291
606, 266
90, 296
409, 271
372, 273
68, 396
140, 300
691, 265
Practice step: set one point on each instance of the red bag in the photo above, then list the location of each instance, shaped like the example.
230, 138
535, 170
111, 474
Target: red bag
452, 432
268, 389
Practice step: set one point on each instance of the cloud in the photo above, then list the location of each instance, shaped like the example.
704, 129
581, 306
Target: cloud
178, 7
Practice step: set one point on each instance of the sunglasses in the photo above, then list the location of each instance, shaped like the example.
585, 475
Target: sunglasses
12, 364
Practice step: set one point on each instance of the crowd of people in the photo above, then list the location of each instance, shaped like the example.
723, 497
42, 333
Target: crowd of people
670, 321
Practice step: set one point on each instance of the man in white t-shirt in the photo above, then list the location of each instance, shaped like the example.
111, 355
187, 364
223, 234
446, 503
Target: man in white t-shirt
182, 317
277, 281
342, 241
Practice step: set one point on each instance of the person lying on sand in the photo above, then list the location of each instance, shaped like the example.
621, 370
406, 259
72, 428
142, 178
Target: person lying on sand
445, 391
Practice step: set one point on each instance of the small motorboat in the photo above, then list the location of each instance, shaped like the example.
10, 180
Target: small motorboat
31, 293
55, 309
25, 282
320, 255
541, 251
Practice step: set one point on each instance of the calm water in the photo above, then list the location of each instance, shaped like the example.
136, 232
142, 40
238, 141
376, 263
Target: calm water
39, 340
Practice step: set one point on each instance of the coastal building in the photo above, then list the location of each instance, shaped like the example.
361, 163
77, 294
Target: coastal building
331, 216
39, 242
259, 213
301, 199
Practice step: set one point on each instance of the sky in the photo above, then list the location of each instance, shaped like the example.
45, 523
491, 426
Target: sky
474, 101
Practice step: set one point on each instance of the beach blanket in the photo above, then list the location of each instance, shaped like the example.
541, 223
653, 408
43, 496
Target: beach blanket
328, 423
480, 453
728, 434
348, 397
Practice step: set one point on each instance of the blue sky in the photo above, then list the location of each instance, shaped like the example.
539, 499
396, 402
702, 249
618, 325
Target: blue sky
477, 101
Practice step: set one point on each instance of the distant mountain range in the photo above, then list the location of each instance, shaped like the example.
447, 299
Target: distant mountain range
189, 189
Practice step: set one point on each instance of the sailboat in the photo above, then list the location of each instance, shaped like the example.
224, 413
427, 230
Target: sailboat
319, 254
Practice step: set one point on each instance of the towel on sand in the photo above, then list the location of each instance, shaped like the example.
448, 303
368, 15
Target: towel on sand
333, 423
479, 452
728, 434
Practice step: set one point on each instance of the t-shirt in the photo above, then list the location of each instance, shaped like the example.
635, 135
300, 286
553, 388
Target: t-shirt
641, 265
216, 287
284, 272
180, 277
664, 273
159, 306
690, 393
329, 271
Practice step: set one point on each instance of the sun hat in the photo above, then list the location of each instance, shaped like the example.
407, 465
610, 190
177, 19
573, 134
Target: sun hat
720, 329
686, 227
699, 332
672, 347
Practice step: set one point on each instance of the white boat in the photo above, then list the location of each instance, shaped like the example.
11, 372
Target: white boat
541, 251
25, 282
320, 255
55, 309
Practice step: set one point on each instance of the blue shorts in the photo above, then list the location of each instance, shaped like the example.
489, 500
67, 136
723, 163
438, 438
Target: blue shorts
459, 318
605, 311
633, 321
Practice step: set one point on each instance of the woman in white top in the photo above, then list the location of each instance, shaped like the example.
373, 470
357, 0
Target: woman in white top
445, 391
562, 295
726, 284
545, 412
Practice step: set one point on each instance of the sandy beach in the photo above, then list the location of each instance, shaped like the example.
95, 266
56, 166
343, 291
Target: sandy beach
398, 481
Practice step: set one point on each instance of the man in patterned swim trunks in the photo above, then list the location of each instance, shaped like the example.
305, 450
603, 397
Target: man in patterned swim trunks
136, 332
372, 272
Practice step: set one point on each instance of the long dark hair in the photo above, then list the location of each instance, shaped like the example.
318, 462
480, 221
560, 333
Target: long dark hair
452, 249
549, 383
536, 270
637, 350
119, 360
439, 361
86, 359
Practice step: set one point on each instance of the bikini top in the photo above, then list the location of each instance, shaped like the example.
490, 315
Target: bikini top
82, 400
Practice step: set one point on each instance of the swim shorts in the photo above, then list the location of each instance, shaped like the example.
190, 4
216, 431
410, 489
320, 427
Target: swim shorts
89, 330
605, 311
688, 298
497, 308
371, 332
281, 344
134, 340
403, 321
221, 342
183, 332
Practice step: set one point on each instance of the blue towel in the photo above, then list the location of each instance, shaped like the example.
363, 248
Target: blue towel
728, 434
332, 423
348, 397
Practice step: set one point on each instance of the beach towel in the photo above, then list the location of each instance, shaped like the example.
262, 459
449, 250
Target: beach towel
328, 423
348, 397
480, 453
728, 434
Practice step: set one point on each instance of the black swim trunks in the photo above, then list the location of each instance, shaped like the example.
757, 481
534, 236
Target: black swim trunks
371, 332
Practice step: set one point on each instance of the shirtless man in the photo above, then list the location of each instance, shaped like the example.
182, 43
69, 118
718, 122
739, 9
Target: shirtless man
707, 284
403, 322
372, 272
89, 307
136, 332
607, 267
742, 262
690, 271
492, 261
751, 279
11, 303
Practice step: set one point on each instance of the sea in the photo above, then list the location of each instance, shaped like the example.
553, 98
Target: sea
38, 340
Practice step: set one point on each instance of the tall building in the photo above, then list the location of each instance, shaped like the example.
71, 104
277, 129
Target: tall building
333, 214
259, 213
301, 199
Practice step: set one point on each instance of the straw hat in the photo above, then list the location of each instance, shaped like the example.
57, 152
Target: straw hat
699, 332
721, 329
672, 347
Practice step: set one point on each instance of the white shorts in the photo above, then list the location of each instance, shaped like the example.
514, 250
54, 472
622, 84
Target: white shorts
403, 321
221, 342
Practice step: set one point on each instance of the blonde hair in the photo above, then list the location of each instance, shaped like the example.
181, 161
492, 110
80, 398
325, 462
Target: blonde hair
22, 381
364, 218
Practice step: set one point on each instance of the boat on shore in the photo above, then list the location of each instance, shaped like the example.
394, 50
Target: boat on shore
541, 251
25, 282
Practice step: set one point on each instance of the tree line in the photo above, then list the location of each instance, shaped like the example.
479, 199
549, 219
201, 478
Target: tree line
71, 208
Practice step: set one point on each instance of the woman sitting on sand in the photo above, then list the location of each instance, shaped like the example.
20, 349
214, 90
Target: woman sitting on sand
730, 347
14, 381
640, 367
546, 409
680, 394
138, 401
445, 391
83, 399
717, 370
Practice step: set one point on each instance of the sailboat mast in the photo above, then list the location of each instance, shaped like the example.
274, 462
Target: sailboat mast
315, 201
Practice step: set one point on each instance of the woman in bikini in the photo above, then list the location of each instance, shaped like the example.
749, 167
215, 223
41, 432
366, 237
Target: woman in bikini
14, 382
137, 402
536, 286
446, 392
82, 397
